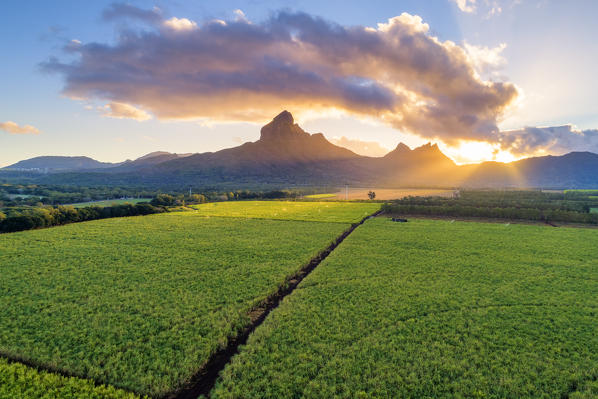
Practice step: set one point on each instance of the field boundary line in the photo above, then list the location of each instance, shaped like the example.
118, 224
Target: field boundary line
205, 379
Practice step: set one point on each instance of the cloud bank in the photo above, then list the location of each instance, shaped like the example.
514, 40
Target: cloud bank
13, 128
552, 140
176, 68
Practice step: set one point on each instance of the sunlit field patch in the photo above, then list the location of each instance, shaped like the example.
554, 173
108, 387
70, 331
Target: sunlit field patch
344, 212
20, 381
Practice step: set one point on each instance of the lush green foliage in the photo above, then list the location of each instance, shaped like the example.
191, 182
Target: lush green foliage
571, 206
344, 212
27, 218
433, 309
110, 202
141, 303
20, 381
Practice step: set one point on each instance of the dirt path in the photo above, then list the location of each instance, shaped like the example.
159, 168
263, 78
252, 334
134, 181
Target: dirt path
203, 382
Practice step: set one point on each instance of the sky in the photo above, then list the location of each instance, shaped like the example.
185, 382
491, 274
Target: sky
485, 79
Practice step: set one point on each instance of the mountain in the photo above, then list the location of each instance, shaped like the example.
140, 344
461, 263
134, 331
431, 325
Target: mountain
153, 158
56, 163
285, 155
572, 170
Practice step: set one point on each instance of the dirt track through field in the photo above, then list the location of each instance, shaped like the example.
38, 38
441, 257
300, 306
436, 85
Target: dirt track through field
203, 382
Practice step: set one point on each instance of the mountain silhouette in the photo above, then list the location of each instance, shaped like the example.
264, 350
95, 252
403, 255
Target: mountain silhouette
286, 155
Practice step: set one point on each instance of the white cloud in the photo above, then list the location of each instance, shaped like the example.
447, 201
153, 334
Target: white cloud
486, 60
180, 24
468, 6
13, 128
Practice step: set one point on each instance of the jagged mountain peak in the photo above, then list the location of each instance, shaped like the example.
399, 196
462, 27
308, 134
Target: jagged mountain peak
284, 117
282, 127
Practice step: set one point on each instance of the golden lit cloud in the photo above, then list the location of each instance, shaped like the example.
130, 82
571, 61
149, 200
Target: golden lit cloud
124, 111
14, 128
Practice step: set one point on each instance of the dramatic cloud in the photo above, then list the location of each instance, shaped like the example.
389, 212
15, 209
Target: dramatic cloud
369, 148
239, 70
551, 140
122, 110
13, 128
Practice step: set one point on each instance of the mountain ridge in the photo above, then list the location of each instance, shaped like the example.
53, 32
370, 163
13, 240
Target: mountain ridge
285, 155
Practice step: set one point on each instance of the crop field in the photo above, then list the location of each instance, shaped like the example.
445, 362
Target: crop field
141, 303
20, 381
320, 196
593, 210
111, 202
343, 212
433, 309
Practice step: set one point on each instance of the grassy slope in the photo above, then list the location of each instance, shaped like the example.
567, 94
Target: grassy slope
19, 381
142, 302
433, 309
345, 212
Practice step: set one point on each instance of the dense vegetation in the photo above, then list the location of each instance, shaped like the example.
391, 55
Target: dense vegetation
20, 381
14, 194
351, 212
104, 203
25, 207
433, 309
27, 218
570, 206
141, 303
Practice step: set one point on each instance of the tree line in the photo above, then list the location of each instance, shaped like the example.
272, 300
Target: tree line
555, 215
40, 217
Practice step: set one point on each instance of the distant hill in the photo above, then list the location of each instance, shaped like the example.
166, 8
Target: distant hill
286, 155
572, 170
57, 163
153, 158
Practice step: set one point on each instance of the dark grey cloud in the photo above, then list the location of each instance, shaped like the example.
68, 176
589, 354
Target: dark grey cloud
122, 11
239, 70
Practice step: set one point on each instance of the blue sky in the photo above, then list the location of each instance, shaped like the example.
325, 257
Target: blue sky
549, 53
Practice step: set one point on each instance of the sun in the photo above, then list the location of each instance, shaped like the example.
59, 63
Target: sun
477, 151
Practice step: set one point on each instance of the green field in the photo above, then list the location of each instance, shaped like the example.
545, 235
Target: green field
433, 309
593, 210
111, 202
320, 196
142, 302
19, 381
344, 212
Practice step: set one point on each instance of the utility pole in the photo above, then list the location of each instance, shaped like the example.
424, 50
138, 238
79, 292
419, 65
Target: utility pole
346, 192
189, 191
